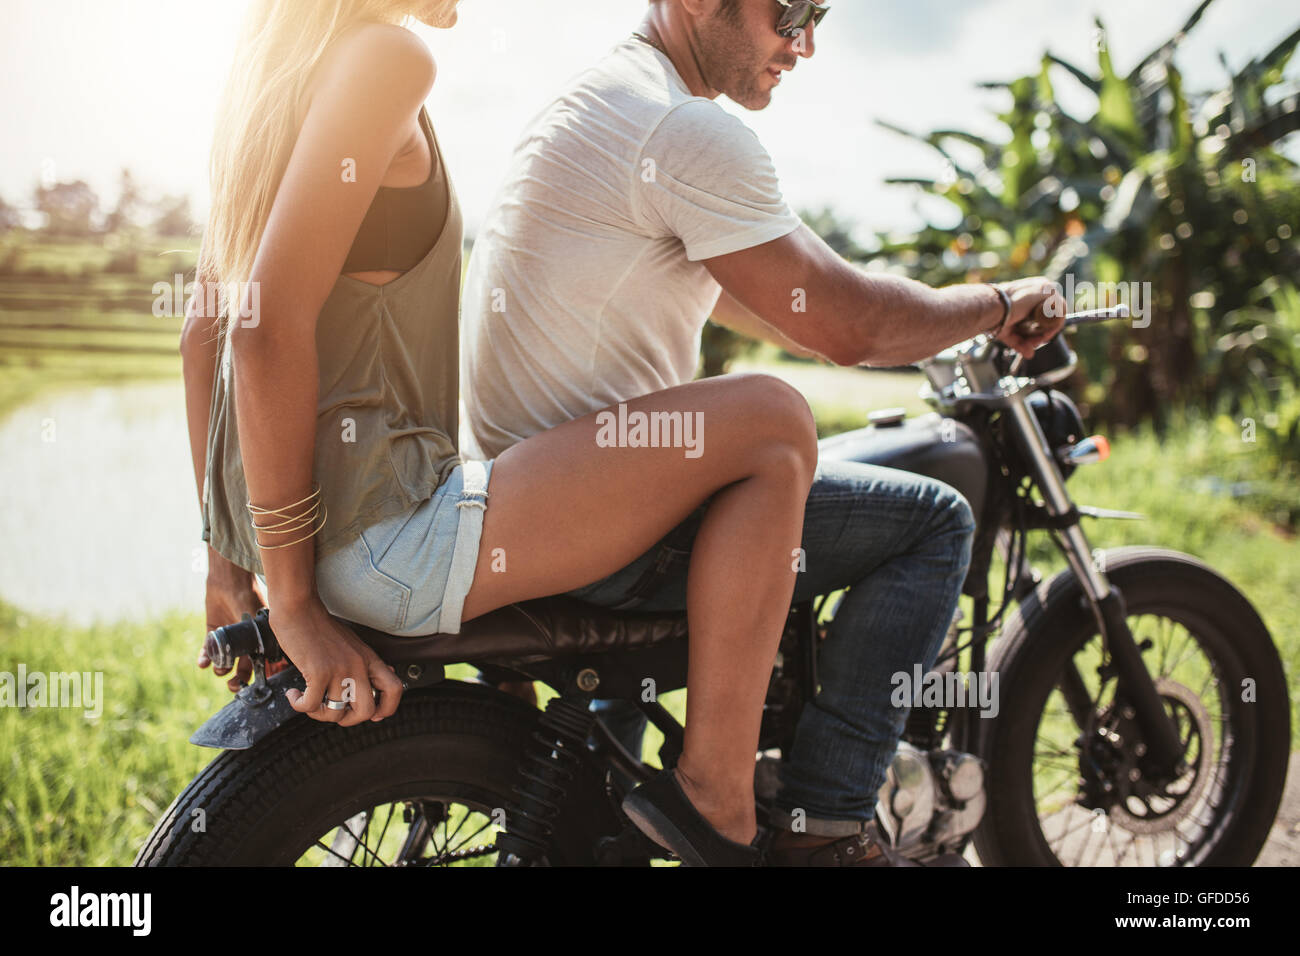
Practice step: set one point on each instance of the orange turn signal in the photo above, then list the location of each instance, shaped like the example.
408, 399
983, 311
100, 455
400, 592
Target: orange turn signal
1088, 451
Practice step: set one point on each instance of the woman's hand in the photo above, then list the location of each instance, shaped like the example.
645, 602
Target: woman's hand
232, 592
335, 663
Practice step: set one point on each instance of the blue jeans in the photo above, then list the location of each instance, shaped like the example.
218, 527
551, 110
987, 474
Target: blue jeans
901, 544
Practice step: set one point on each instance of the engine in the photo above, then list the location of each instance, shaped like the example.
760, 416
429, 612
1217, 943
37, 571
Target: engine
930, 802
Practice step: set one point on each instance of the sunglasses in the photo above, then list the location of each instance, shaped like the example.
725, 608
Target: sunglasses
798, 14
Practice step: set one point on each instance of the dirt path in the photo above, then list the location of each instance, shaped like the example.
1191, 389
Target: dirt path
1283, 846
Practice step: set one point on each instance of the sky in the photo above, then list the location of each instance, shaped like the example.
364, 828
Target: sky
91, 86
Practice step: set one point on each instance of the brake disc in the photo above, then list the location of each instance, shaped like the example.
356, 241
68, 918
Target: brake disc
1194, 725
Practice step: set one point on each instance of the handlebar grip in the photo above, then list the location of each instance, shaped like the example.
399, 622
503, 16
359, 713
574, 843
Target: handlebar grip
1033, 325
1029, 327
250, 637
1097, 315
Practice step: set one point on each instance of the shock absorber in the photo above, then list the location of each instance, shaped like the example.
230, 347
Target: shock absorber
547, 767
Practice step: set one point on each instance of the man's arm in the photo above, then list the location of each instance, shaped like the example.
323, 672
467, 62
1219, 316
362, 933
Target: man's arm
731, 314
809, 294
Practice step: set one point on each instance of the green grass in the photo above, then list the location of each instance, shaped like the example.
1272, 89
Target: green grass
1180, 485
34, 255
86, 791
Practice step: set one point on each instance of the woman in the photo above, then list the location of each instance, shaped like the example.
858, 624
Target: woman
336, 234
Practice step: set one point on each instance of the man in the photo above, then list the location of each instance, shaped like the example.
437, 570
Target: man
635, 208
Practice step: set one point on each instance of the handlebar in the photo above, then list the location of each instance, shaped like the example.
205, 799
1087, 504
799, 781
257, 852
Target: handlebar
1032, 326
250, 637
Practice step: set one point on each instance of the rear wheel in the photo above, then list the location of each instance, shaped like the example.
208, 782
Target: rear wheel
1069, 786
426, 787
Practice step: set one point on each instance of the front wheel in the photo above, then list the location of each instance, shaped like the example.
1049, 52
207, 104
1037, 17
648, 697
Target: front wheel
1067, 784
425, 787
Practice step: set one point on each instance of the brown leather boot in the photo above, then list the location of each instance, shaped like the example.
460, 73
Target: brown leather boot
861, 849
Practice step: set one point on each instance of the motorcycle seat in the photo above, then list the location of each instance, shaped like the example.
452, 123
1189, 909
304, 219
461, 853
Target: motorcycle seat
513, 636
529, 631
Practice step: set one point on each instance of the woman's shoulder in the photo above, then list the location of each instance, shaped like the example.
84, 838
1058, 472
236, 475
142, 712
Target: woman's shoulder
384, 46
391, 57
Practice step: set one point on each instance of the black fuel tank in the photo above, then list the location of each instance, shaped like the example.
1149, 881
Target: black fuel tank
930, 445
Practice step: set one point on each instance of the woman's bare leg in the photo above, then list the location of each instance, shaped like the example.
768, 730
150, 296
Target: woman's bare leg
564, 511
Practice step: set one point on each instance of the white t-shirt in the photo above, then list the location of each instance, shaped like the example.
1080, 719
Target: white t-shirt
585, 287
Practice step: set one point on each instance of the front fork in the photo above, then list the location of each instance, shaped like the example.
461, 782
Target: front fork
1164, 749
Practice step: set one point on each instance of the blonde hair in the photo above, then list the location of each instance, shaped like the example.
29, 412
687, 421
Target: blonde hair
258, 119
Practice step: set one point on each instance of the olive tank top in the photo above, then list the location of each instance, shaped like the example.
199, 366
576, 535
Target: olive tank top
387, 414
402, 222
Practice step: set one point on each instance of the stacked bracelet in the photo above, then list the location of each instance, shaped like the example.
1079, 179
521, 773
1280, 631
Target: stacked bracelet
291, 523
1006, 309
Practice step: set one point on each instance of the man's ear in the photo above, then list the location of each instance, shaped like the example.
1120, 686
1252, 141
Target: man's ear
699, 9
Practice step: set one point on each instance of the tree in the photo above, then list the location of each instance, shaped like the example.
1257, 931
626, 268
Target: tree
10, 216
69, 208
172, 216
1187, 192
129, 203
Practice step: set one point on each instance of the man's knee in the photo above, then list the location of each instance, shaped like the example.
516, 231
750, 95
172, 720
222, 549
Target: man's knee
952, 518
957, 525
957, 510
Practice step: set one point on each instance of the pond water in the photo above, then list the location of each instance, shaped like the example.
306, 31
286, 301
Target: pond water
100, 515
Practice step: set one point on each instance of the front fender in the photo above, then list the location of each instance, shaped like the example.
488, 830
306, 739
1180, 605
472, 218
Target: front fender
256, 710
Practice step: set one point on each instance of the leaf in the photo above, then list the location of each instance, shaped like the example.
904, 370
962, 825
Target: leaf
1278, 57
910, 181
1115, 108
1124, 209
963, 136
1182, 140
1268, 128
1090, 82
1166, 49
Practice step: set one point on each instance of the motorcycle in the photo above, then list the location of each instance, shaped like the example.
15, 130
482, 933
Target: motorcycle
1142, 716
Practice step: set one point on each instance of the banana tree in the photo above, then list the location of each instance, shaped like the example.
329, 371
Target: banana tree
1186, 191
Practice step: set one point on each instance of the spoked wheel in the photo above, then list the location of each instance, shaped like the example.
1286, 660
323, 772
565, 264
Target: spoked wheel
1068, 780
429, 786
425, 831
1095, 803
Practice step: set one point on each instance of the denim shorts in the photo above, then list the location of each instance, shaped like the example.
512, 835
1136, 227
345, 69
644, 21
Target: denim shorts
409, 574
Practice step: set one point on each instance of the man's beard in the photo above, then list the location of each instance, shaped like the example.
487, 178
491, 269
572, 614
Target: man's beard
730, 63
